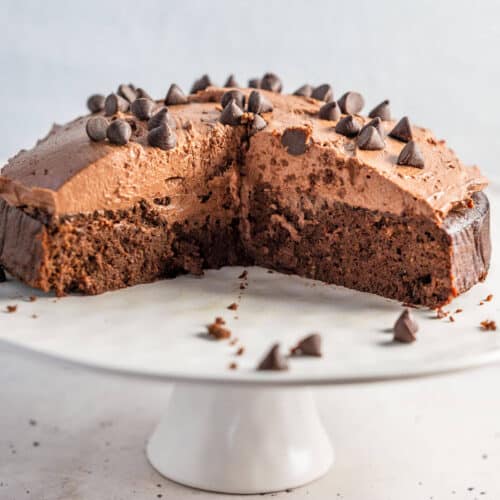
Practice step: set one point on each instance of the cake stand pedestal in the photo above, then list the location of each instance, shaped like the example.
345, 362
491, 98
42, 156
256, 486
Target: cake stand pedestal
234, 439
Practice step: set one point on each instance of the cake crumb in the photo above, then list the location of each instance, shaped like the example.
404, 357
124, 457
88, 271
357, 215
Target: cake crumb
32, 298
488, 325
233, 306
219, 321
458, 311
441, 313
489, 298
217, 331
34, 316
452, 319
234, 341
242, 286
270, 271
481, 303
11, 308
233, 366
243, 275
240, 351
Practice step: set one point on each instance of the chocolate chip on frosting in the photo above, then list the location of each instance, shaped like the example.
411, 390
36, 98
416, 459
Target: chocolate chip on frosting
175, 96
329, 111
162, 137
231, 114
96, 128
258, 123
295, 140
304, 91
142, 93
405, 328
127, 92
382, 111
323, 93
272, 82
231, 81
119, 132
115, 103
254, 83
201, 84
411, 156
259, 103
377, 123
235, 94
163, 116
142, 108
273, 360
402, 130
351, 103
95, 103
348, 126
370, 139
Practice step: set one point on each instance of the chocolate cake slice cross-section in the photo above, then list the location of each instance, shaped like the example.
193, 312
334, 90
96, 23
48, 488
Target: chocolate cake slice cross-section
277, 187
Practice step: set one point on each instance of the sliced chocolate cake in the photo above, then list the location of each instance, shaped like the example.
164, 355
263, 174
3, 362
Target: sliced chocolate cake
141, 190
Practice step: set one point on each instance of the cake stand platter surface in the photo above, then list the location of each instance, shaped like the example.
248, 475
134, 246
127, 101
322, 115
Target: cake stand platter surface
240, 430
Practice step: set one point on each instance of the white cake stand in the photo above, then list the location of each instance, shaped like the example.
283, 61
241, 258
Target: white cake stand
239, 430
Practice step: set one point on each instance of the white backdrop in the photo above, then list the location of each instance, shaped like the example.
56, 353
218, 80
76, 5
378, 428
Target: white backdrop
436, 60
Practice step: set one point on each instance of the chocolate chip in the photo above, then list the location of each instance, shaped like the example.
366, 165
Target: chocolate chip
295, 140
162, 137
323, 93
411, 156
273, 360
119, 132
348, 126
231, 81
96, 128
259, 103
115, 103
142, 93
142, 108
402, 130
201, 84
258, 123
329, 111
163, 116
382, 110
254, 83
377, 123
95, 103
351, 103
309, 346
405, 328
127, 92
304, 91
370, 139
235, 94
3, 277
175, 96
272, 82
231, 114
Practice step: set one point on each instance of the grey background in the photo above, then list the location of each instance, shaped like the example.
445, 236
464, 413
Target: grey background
436, 60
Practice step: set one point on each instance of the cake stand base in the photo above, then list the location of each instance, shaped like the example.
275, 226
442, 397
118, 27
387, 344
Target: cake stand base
240, 439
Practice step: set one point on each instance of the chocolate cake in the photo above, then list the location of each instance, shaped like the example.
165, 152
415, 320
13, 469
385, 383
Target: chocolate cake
141, 190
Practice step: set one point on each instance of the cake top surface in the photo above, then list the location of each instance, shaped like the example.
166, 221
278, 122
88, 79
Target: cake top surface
68, 173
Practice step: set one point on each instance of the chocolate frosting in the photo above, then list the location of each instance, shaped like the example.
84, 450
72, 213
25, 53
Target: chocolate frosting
66, 173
